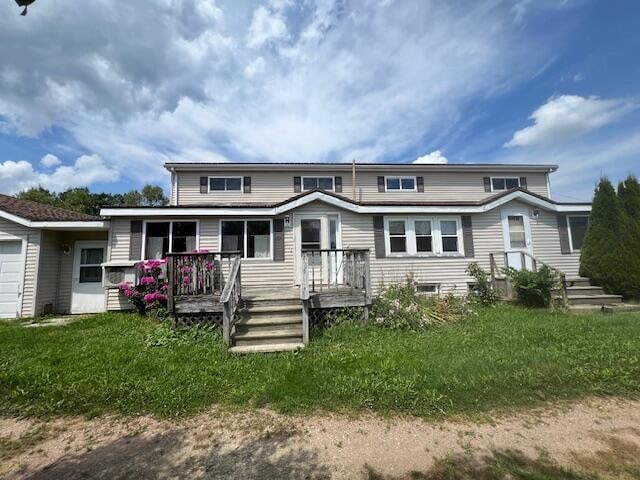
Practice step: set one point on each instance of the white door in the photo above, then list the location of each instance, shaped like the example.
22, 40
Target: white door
517, 238
87, 292
11, 271
319, 232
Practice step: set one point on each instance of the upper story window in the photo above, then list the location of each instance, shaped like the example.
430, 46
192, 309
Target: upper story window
399, 184
165, 237
225, 184
504, 183
318, 183
423, 236
578, 226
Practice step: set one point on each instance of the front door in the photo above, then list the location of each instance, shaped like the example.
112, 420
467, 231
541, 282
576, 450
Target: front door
317, 235
517, 238
87, 293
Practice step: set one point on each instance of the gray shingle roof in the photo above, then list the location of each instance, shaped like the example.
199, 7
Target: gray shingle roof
39, 212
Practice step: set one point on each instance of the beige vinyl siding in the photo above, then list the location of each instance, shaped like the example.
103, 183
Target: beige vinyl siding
270, 187
49, 271
116, 301
120, 239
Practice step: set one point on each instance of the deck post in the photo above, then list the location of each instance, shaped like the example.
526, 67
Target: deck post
170, 281
367, 286
226, 324
305, 321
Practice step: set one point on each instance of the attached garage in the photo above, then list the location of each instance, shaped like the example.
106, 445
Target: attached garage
11, 274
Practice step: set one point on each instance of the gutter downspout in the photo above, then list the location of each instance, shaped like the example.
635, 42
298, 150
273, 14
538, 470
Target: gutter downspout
353, 180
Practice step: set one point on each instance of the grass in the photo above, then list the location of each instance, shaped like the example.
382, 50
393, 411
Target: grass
505, 357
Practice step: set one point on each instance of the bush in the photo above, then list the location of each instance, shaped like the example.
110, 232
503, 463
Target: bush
534, 289
401, 306
483, 292
150, 294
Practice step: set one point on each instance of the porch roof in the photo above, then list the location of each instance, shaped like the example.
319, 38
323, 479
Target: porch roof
340, 201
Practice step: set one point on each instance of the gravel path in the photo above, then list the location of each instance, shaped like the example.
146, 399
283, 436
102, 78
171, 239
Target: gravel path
598, 435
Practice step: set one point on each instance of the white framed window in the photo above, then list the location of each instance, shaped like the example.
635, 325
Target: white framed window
318, 183
254, 238
169, 236
504, 183
400, 184
423, 236
577, 226
225, 184
428, 288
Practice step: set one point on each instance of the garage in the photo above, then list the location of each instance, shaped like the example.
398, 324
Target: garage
11, 262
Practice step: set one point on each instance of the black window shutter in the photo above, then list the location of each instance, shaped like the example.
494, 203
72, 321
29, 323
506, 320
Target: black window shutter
380, 184
420, 183
337, 184
247, 184
297, 184
378, 236
467, 236
563, 231
278, 239
203, 185
523, 182
135, 245
487, 183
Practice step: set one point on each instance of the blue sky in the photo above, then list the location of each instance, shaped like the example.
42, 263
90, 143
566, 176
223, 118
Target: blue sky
103, 94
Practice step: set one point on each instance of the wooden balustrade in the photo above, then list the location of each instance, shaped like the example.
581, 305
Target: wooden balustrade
230, 299
332, 269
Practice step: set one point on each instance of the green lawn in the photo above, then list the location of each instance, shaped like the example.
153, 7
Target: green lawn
504, 357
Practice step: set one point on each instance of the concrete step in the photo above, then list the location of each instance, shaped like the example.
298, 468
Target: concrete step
593, 299
267, 348
612, 308
585, 290
578, 282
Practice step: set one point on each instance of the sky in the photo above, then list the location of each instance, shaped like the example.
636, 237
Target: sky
102, 93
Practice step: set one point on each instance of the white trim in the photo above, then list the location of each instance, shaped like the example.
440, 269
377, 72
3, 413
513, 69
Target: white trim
436, 237
337, 202
506, 236
245, 239
333, 182
505, 183
170, 222
323, 216
400, 178
548, 181
226, 190
571, 249
69, 225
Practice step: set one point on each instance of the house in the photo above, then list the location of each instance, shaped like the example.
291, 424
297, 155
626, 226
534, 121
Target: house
292, 224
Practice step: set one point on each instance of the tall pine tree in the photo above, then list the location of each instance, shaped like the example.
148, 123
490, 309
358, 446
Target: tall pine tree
629, 195
603, 250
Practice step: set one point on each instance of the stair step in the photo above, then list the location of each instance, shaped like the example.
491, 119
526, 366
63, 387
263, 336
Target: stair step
260, 308
267, 348
275, 319
271, 333
593, 299
585, 290
578, 282
243, 342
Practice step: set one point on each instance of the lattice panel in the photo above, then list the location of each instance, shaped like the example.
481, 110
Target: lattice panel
192, 319
325, 317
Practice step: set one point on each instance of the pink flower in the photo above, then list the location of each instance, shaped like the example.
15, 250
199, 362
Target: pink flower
147, 281
155, 297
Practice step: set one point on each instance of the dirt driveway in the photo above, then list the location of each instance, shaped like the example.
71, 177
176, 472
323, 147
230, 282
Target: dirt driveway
566, 441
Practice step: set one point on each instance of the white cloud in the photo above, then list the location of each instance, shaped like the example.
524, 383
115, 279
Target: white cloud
50, 160
254, 68
266, 26
568, 116
434, 157
87, 170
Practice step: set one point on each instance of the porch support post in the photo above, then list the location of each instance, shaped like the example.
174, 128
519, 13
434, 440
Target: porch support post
170, 287
367, 286
305, 321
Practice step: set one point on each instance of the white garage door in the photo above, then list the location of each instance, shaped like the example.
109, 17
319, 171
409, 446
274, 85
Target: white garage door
10, 276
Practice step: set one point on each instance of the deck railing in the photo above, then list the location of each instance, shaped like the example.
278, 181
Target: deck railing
230, 299
532, 265
197, 273
332, 269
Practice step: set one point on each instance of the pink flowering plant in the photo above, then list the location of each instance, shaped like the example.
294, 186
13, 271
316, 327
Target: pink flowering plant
150, 292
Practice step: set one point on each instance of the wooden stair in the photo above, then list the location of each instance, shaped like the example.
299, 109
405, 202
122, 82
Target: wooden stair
580, 293
270, 321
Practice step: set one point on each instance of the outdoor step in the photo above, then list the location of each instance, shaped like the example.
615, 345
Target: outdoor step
271, 333
578, 282
593, 299
250, 303
241, 340
242, 328
257, 309
585, 290
275, 319
267, 348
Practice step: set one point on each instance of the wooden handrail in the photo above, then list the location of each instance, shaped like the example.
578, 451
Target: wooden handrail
230, 299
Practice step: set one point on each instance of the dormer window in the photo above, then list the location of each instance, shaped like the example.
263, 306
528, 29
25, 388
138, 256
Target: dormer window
318, 183
225, 184
400, 184
504, 183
